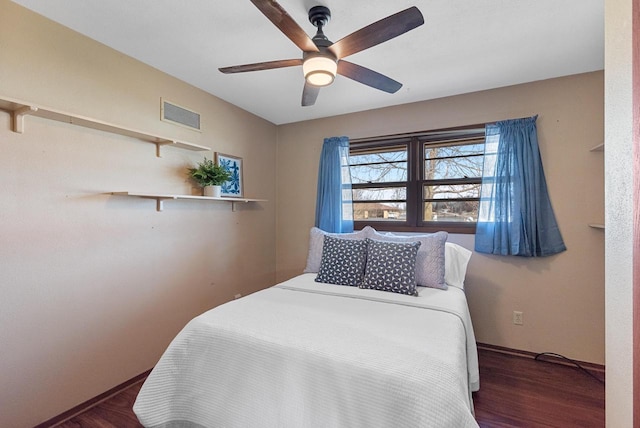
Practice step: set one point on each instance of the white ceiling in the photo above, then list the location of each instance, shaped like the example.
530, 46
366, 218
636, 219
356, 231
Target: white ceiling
464, 46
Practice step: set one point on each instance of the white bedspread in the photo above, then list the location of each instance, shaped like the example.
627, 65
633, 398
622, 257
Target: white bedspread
303, 354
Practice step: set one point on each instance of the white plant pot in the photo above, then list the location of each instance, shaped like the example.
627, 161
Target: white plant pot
213, 191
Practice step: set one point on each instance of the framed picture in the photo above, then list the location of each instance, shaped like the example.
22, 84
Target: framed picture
234, 186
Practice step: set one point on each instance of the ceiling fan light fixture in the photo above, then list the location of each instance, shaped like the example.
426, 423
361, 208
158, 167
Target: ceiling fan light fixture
319, 70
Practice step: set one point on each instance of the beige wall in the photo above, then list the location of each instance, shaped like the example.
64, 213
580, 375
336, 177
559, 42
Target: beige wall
619, 212
562, 297
93, 287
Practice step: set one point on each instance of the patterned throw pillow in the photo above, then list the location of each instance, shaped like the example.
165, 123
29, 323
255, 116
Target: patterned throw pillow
391, 266
343, 261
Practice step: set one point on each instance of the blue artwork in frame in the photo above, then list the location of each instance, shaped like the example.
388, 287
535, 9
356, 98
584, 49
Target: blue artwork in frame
233, 186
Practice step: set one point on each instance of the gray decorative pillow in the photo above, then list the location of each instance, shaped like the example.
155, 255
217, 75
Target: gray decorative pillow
316, 241
391, 266
430, 263
343, 261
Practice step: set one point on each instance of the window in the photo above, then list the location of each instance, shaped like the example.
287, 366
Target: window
423, 182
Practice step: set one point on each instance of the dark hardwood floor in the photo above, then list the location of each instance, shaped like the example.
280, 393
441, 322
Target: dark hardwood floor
514, 392
521, 392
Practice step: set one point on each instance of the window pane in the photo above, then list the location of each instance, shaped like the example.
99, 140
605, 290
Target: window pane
451, 191
379, 167
464, 211
380, 194
456, 150
376, 211
453, 162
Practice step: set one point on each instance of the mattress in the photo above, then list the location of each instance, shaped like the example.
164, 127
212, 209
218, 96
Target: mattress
305, 354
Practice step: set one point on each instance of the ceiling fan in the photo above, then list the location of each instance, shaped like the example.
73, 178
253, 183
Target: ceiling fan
322, 59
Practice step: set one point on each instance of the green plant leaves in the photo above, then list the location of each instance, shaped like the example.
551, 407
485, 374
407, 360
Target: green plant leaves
207, 173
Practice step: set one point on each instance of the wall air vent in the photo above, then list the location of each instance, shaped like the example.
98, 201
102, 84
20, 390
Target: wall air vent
170, 112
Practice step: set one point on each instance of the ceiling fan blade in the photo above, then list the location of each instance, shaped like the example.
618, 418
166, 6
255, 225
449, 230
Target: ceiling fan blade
309, 94
378, 32
368, 77
261, 66
281, 19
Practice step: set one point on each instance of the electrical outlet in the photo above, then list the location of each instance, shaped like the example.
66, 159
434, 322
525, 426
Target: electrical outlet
518, 318
237, 296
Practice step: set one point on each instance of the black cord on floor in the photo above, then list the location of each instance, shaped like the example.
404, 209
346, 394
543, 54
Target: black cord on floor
575, 363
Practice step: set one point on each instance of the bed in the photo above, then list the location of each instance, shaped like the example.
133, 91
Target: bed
310, 354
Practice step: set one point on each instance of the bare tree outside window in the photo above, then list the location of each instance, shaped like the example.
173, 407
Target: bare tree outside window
452, 177
379, 181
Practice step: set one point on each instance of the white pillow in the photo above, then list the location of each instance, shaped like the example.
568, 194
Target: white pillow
316, 241
456, 259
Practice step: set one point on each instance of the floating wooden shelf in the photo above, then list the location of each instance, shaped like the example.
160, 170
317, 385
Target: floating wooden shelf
596, 225
20, 109
160, 198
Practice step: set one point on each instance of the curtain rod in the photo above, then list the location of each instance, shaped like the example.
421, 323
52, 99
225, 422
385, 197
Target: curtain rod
472, 129
479, 127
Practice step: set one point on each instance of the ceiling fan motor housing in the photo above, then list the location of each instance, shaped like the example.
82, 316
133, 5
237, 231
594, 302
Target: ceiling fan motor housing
319, 16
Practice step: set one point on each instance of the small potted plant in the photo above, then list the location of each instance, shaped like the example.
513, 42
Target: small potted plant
210, 176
